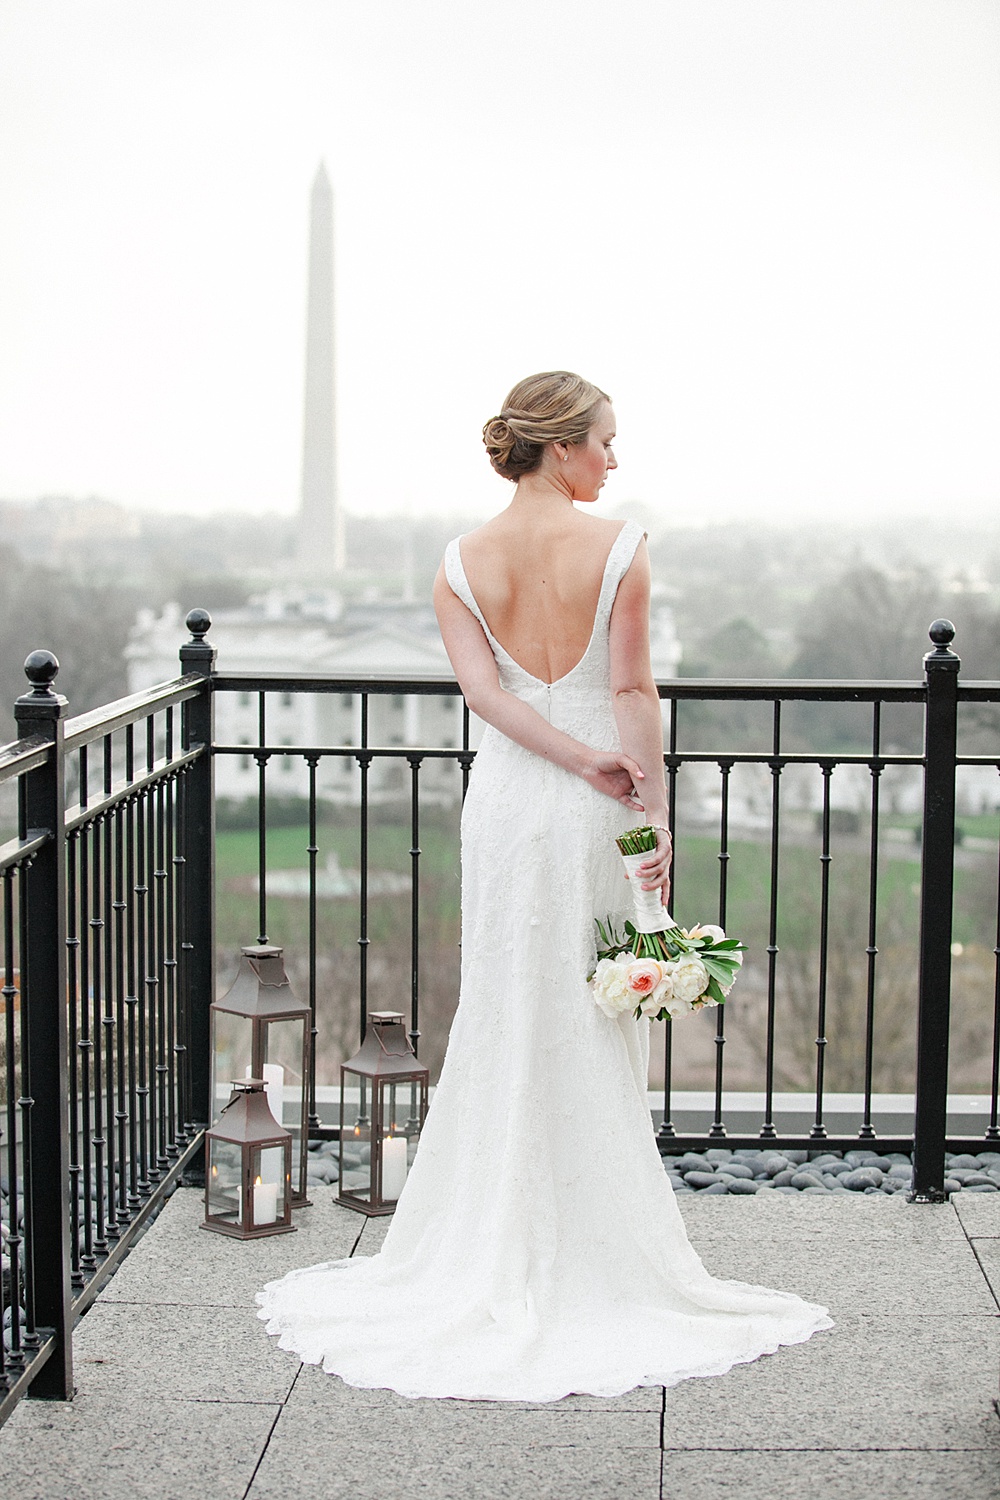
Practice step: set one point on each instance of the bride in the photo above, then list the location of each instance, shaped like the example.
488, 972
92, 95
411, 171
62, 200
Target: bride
537, 1248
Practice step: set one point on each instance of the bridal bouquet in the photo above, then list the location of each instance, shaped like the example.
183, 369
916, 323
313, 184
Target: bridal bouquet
656, 968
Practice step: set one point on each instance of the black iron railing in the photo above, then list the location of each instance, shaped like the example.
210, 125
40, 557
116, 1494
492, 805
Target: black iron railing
109, 932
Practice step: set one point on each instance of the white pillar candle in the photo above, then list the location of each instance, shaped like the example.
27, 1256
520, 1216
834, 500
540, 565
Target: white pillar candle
393, 1165
274, 1088
265, 1202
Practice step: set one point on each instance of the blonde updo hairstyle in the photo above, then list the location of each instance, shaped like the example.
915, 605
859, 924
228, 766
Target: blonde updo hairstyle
554, 407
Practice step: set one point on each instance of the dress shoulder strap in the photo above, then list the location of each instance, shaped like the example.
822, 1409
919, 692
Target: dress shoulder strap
618, 563
454, 571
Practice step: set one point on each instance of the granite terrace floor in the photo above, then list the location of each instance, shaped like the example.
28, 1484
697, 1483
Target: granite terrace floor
181, 1394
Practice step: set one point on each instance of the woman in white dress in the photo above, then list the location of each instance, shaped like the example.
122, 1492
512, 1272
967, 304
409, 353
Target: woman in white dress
537, 1248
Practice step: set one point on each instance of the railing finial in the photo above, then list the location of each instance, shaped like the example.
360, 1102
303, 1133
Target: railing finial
199, 622
41, 668
942, 633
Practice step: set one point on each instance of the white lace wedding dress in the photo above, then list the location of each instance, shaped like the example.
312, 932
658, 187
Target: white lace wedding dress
537, 1248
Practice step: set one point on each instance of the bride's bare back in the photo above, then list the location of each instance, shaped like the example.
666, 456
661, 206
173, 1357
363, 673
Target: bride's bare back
538, 583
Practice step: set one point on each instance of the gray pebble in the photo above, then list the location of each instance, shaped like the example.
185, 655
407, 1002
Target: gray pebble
742, 1185
981, 1187
819, 1188
783, 1179
719, 1153
775, 1164
700, 1179
863, 1178
736, 1169
803, 1180
964, 1160
717, 1187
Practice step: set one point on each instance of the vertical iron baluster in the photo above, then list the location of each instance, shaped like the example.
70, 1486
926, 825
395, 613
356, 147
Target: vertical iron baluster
173, 1123
717, 1128
15, 1355
465, 759
151, 981
85, 1047
141, 892
312, 761
183, 959
97, 992
108, 1014
667, 1131
415, 764
30, 1339
867, 1131
131, 990
819, 1130
261, 823
73, 1006
160, 877
120, 824
364, 761
993, 1130
767, 1131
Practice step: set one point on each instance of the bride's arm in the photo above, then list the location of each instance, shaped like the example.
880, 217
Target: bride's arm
637, 704
610, 772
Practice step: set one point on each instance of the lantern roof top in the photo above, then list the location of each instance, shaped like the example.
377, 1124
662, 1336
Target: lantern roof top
386, 1050
247, 1118
261, 988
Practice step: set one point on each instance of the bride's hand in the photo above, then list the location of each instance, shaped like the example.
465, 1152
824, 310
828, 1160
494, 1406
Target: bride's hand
614, 774
655, 871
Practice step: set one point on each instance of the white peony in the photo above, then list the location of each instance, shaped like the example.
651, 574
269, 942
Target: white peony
690, 979
708, 930
676, 1007
610, 985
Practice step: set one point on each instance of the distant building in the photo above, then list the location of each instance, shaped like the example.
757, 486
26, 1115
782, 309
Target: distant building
290, 632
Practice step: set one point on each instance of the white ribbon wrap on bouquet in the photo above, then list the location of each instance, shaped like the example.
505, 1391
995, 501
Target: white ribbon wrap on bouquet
650, 913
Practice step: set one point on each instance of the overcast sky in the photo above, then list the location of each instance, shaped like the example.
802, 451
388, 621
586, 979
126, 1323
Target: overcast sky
770, 228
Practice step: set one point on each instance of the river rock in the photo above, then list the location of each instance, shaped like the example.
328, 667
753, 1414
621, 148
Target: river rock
717, 1187
804, 1179
863, 1178
742, 1185
963, 1160
700, 1179
783, 1179
736, 1168
775, 1164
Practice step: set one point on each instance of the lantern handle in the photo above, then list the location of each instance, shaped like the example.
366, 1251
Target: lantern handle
241, 1086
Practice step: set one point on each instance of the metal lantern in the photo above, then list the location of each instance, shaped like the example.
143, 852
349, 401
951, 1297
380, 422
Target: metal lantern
260, 1030
383, 1105
248, 1176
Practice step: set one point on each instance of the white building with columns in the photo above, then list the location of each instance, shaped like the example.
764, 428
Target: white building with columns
288, 632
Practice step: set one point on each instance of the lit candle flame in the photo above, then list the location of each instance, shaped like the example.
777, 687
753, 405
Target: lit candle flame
257, 1181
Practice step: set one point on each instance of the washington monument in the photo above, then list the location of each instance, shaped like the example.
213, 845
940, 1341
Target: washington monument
321, 522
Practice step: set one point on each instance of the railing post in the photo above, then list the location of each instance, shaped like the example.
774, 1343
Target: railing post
936, 885
46, 1035
198, 727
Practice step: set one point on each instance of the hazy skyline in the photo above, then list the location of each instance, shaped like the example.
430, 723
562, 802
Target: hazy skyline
769, 228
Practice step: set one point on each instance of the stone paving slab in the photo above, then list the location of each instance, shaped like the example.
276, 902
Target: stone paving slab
132, 1448
854, 1277
190, 1353
305, 1459
831, 1475
328, 1392
809, 1217
988, 1254
978, 1213
871, 1383
181, 1263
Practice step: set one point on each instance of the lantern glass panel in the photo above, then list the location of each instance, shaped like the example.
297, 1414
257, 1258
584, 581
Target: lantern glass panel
284, 1050
225, 1175
231, 1053
356, 1139
269, 1189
